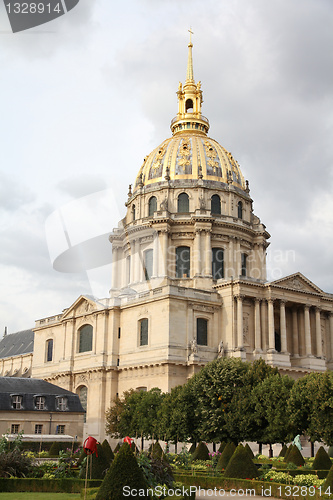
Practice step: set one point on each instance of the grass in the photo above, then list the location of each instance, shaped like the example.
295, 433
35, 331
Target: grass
39, 496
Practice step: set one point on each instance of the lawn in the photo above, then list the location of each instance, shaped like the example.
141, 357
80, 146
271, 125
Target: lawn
39, 496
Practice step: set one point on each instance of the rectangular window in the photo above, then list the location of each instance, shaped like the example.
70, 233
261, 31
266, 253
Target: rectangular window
144, 331
244, 258
217, 263
38, 429
15, 428
202, 331
49, 350
119, 332
148, 264
61, 403
60, 429
183, 258
17, 402
40, 403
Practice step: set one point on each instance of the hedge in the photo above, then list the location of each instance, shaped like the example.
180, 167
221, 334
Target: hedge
66, 485
261, 488
92, 492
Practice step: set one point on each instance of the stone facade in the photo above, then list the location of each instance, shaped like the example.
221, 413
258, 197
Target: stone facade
188, 283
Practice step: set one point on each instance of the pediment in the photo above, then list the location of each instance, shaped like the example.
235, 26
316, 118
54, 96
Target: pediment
81, 307
297, 282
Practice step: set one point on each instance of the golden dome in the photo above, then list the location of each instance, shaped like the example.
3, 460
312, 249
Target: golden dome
189, 153
190, 156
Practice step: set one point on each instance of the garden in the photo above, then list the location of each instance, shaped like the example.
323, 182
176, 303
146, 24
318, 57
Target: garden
227, 403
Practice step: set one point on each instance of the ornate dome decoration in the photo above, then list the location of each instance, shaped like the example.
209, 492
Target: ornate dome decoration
189, 153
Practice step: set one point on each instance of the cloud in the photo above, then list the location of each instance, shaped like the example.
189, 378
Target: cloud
13, 194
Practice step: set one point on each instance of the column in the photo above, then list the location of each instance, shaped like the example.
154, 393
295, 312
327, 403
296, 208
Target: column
271, 330
257, 328
133, 261
264, 323
114, 280
165, 252
307, 330
208, 255
230, 272
283, 326
240, 328
197, 253
237, 258
155, 255
318, 334
295, 333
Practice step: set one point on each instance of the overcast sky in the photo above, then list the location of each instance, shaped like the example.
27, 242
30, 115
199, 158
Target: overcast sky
86, 97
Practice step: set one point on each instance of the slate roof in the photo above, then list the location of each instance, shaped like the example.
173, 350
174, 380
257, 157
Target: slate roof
17, 343
28, 388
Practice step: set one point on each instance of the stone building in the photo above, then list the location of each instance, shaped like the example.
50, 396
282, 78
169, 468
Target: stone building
188, 282
39, 409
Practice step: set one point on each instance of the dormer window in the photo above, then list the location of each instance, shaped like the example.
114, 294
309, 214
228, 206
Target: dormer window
17, 401
61, 403
40, 402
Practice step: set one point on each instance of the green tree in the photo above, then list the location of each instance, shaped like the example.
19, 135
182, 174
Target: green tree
311, 406
215, 388
270, 400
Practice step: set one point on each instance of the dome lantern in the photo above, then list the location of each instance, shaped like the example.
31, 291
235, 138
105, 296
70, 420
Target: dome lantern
189, 115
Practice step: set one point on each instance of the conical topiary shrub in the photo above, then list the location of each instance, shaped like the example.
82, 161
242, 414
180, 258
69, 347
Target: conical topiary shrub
222, 446
329, 481
241, 465
107, 451
156, 451
192, 448
54, 450
225, 456
98, 465
287, 453
322, 461
201, 452
250, 452
283, 451
124, 474
117, 448
295, 456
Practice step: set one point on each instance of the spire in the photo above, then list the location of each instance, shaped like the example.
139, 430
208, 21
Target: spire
189, 72
189, 115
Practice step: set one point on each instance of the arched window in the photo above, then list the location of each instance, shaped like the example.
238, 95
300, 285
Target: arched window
152, 206
133, 212
143, 331
82, 391
216, 204
148, 264
183, 203
202, 331
49, 350
189, 106
217, 263
85, 338
244, 264
240, 210
183, 258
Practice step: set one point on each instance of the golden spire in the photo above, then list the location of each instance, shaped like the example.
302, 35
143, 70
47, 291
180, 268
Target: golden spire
189, 117
189, 73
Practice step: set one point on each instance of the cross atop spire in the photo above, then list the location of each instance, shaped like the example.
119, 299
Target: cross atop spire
189, 72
